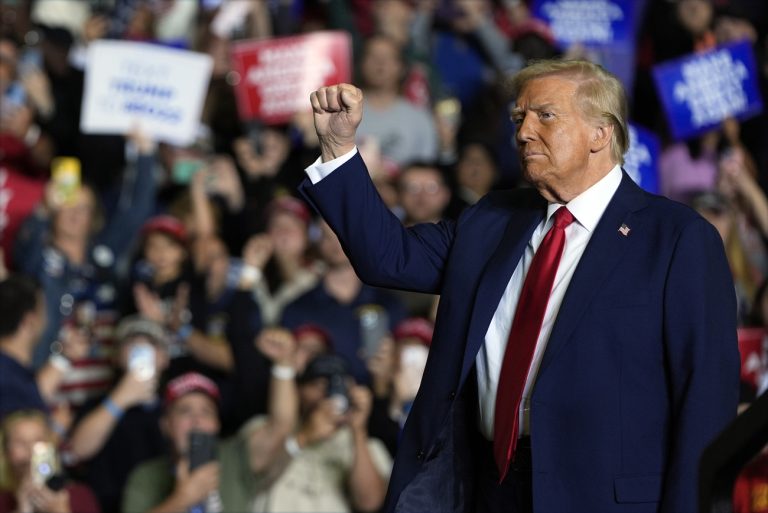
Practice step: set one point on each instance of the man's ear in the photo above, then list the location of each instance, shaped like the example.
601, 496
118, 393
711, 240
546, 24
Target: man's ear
601, 138
28, 322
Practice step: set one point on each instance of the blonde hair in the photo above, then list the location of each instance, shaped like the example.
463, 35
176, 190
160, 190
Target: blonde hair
599, 94
8, 481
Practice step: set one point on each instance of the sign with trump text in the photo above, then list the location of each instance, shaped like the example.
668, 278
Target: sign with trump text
588, 22
159, 89
641, 162
699, 91
274, 77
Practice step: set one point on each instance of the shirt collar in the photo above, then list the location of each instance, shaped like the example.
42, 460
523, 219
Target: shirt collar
588, 207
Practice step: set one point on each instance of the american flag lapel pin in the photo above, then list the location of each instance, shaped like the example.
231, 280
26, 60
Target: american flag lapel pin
624, 229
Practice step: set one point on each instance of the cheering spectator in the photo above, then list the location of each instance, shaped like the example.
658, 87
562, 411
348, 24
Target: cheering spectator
120, 430
327, 463
423, 194
30, 477
404, 132
335, 302
208, 474
281, 257
75, 252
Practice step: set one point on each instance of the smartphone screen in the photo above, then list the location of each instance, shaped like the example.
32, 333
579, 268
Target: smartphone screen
65, 175
185, 169
449, 109
142, 360
202, 448
374, 326
43, 462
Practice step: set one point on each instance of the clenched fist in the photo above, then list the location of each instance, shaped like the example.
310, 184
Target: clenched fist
338, 110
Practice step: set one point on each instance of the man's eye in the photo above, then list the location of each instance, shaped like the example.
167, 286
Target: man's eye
517, 121
546, 115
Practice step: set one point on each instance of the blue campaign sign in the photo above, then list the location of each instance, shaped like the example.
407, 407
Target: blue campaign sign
641, 162
589, 22
701, 90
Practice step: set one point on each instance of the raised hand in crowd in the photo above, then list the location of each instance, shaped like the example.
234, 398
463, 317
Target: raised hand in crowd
151, 305
360, 403
192, 486
220, 178
736, 181
134, 389
38, 88
142, 141
322, 423
95, 27
33, 497
264, 161
382, 366
258, 250
266, 441
73, 345
277, 344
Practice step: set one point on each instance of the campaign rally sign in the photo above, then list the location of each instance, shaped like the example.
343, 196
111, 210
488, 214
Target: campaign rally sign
701, 90
130, 84
641, 162
274, 77
589, 22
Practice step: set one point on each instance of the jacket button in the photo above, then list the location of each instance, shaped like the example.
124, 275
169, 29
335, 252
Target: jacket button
420, 455
452, 395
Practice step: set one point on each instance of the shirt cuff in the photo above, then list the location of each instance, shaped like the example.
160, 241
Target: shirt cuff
319, 170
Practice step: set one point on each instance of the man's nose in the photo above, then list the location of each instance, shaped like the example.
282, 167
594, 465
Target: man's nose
524, 130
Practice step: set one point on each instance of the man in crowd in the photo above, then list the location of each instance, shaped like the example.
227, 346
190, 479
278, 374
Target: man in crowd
21, 323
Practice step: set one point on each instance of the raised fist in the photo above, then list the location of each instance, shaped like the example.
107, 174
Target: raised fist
338, 110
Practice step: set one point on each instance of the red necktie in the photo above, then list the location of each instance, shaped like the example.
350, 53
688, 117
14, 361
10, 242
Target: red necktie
522, 339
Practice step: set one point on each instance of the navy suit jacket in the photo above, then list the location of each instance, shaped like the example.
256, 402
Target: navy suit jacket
640, 372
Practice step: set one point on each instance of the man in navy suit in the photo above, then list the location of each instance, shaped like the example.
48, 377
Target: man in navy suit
585, 348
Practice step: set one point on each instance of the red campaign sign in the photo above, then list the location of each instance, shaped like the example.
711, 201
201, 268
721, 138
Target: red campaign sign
19, 195
275, 76
752, 355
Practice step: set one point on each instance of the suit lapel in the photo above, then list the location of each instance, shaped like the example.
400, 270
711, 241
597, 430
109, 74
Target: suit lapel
496, 275
601, 256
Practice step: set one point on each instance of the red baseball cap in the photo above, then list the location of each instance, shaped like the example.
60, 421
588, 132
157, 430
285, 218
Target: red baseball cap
289, 205
187, 384
415, 327
168, 225
313, 329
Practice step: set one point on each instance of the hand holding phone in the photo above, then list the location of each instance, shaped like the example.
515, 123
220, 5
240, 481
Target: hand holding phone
374, 327
44, 463
142, 360
65, 180
338, 392
202, 449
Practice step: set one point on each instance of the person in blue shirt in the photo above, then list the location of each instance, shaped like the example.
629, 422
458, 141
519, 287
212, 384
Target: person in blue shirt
21, 324
335, 304
74, 250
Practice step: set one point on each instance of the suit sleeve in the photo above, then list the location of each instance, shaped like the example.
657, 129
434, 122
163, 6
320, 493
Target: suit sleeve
702, 359
382, 251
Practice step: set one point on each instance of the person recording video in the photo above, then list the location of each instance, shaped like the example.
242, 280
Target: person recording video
31, 480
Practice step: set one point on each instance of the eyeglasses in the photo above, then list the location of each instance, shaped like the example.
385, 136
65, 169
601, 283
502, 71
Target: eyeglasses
429, 188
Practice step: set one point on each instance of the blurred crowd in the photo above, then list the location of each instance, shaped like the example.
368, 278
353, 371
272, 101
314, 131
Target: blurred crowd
180, 332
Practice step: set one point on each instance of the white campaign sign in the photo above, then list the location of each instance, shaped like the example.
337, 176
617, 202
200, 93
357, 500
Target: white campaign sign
157, 88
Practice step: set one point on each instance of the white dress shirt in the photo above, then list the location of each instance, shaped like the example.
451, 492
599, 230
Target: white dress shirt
587, 208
